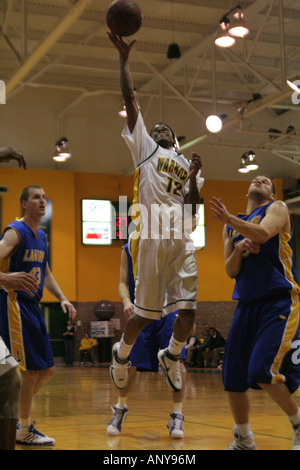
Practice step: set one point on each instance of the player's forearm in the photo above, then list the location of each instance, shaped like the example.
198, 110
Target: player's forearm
193, 197
54, 289
254, 232
124, 292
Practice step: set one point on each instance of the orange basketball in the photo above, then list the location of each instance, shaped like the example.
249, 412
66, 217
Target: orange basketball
124, 17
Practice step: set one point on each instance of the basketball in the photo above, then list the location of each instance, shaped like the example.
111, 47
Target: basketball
124, 17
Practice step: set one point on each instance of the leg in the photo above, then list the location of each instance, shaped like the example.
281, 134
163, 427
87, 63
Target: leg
170, 356
175, 425
9, 392
240, 406
120, 410
183, 325
281, 395
121, 351
133, 328
31, 382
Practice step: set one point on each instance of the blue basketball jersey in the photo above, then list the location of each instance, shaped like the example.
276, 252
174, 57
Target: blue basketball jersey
30, 256
130, 273
270, 272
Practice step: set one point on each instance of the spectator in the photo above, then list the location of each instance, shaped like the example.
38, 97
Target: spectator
85, 349
216, 344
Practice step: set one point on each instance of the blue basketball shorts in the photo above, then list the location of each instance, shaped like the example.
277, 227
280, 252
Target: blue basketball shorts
263, 345
152, 338
24, 331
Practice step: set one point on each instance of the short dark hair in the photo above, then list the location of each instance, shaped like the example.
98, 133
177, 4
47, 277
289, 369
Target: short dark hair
25, 192
164, 124
272, 184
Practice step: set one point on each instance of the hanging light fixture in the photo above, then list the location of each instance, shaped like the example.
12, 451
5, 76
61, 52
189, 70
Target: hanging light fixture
230, 29
251, 163
238, 27
214, 122
123, 112
243, 168
173, 51
62, 152
223, 38
248, 162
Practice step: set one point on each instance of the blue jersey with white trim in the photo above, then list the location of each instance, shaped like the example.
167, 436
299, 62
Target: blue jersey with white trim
30, 256
270, 272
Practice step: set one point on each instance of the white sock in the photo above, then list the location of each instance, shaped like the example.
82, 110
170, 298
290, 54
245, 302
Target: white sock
295, 419
243, 429
175, 346
124, 349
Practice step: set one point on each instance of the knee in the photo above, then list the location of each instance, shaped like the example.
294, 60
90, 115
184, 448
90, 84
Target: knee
188, 316
47, 374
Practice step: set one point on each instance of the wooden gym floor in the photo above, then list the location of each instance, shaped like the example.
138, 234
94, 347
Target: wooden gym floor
75, 408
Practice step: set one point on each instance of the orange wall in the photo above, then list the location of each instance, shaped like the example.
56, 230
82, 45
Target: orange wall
87, 273
59, 186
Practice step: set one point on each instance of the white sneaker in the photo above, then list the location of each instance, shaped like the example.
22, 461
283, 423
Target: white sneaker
115, 424
171, 367
119, 369
242, 443
296, 438
175, 425
30, 436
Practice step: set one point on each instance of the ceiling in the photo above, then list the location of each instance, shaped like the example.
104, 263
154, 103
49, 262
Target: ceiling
62, 78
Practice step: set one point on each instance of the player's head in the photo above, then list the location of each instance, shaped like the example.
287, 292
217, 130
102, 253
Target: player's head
33, 200
164, 135
263, 187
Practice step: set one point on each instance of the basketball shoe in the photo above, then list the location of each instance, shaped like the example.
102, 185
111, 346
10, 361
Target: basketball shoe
296, 438
114, 426
171, 367
242, 443
119, 369
175, 425
30, 436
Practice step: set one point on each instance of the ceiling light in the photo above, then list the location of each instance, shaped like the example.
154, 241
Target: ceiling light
123, 112
223, 38
238, 27
62, 152
243, 168
293, 86
173, 51
251, 163
214, 123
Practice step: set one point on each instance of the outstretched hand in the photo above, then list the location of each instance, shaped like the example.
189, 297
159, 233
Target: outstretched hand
219, 210
123, 47
7, 154
195, 165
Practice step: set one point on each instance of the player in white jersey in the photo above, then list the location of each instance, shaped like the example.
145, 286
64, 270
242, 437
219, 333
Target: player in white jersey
166, 186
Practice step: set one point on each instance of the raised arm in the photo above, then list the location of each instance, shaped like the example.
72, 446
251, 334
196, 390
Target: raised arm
277, 218
193, 197
7, 154
126, 82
